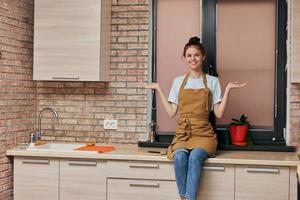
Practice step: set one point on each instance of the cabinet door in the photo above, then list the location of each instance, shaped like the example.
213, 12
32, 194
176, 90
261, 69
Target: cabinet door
217, 182
67, 40
137, 189
36, 178
262, 183
295, 72
82, 179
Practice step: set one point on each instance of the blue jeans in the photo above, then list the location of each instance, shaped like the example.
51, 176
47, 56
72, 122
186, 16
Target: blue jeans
188, 165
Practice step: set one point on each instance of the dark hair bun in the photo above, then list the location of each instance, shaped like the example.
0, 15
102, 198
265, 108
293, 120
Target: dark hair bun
194, 40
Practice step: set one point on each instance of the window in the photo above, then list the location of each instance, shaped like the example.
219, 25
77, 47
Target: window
266, 25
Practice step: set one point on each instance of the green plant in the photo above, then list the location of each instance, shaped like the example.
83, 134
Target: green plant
240, 122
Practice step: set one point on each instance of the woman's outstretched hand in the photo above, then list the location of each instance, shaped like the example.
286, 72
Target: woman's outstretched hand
170, 108
219, 108
236, 84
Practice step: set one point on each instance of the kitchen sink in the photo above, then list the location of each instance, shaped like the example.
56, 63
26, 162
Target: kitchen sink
56, 147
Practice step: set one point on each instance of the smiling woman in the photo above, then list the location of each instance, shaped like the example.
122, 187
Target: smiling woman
195, 139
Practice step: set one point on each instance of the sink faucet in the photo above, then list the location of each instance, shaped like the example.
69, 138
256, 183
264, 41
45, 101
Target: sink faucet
39, 131
152, 129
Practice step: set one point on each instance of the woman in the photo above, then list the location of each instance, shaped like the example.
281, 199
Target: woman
194, 95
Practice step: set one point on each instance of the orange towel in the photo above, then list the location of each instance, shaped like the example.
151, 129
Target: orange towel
100, 149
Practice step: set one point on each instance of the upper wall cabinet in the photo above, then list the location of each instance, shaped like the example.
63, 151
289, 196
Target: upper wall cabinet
295, 72
72, 40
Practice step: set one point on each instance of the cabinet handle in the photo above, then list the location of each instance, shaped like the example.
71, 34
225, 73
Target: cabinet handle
142, 184
33, 161
65, 78
143, 165
262, 170
82, 163
214, 168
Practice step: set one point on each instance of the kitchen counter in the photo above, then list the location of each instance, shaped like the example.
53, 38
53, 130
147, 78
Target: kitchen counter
133, 152
131, 172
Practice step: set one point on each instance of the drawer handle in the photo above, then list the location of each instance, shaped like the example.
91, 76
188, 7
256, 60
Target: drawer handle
141, 165
214, 168
82, 163
65, 78
45, 162
141, 184
262, 170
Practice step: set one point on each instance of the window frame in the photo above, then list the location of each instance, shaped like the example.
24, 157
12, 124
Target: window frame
260, 136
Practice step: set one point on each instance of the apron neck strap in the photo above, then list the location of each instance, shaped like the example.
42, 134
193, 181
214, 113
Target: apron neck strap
204, 80
185, 80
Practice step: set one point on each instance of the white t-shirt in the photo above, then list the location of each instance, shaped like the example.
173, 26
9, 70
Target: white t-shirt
212, 83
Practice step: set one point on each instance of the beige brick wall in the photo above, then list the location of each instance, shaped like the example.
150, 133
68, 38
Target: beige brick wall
295, 115
83, 106
17, 90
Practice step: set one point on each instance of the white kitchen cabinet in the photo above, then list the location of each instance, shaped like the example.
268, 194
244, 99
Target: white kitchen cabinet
262, 183
137, 189
36, 178
82, 179
72, 40
217, 182
295, 41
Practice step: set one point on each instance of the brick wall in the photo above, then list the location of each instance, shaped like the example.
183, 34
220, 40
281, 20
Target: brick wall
295, 115
17, 90
82, 106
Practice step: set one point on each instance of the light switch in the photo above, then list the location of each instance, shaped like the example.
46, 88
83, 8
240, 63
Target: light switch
110, 124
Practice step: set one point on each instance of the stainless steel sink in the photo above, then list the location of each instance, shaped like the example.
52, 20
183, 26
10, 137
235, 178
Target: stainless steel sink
56, 147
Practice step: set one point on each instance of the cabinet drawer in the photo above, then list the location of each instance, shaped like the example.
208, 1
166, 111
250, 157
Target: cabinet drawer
140, 169
262, 182
137, 189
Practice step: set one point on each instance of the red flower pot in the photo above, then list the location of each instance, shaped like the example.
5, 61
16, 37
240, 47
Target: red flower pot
238, 134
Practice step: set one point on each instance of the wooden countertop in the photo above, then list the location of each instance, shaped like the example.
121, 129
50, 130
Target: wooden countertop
133, 152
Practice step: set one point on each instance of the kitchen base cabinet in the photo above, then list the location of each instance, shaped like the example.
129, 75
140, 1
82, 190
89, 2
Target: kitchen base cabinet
137, 189
217, 183
82, 179
262, 183
36, 178
66, 178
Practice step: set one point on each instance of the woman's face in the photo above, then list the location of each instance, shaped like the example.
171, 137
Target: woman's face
194, 57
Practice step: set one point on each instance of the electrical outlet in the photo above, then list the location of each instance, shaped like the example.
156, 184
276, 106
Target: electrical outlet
110, 124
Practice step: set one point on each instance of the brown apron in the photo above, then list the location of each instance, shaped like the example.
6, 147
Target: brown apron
194, 129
